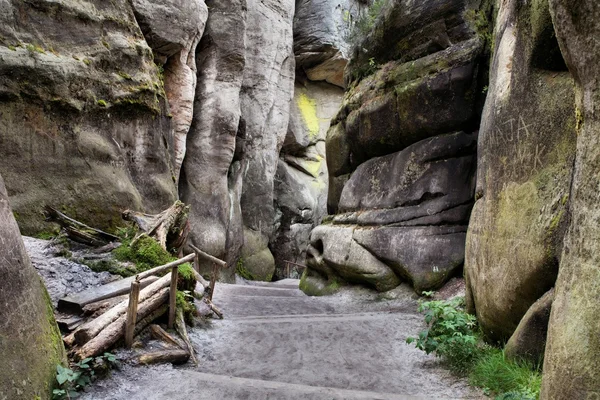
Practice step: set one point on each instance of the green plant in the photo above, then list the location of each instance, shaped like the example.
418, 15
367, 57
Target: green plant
450, 333
509, 379
102, 103
146, 253
72, 381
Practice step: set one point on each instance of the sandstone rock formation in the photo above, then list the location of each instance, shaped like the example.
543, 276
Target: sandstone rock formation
401, 152
321, 32
30, 345
301, 179
84, 120
525, 158
211, 141
573, 349
173, 29
528, 342
267, 93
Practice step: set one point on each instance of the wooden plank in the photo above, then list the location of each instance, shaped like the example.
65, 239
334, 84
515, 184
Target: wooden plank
74, 303
167, 267
166, 356
182, 330
173, 296
160, 334
92, 328
132, 313
213, 259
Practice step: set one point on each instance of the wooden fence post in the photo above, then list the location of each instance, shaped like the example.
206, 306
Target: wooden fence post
132, 312
173, 296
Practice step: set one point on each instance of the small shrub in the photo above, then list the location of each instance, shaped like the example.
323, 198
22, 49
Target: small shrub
364, 23
72, 381
450, 334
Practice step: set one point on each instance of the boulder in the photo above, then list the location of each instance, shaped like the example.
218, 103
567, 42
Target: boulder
525, 158
334, 250
528, 342
573, 348
408, 211
31, 345
85, 127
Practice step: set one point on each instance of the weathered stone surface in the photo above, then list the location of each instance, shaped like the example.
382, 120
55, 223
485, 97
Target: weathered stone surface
267, 92
528, 342
211, 142
401, 167
438, 170
321, 29
84, 124
30, 345
525, 158
301, 178
573, 349
424, 256
333, 250
173, 29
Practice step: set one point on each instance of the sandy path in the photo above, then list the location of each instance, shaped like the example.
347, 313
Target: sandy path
277, 343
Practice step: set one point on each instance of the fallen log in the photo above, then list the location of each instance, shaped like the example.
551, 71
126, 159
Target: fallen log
182, 331
113, 332
90, 329
78, 231
160, 334
166, 356
150, 318
93, 310
75, 303
170, 228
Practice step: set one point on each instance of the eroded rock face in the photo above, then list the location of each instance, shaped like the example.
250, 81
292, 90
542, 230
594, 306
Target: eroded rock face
301, 179
573, 349
211, 142
31, 344
525, 158
267, 93
173, 29
84, 123
401, 152
321, 30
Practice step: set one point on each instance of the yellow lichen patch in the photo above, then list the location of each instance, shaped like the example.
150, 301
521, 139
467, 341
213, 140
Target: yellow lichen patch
313, 167
308, 110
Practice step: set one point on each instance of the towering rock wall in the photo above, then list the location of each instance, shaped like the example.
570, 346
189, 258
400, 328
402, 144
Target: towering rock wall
321, 33
526, 152
30, 342
85, 124
401, 151
573, 349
